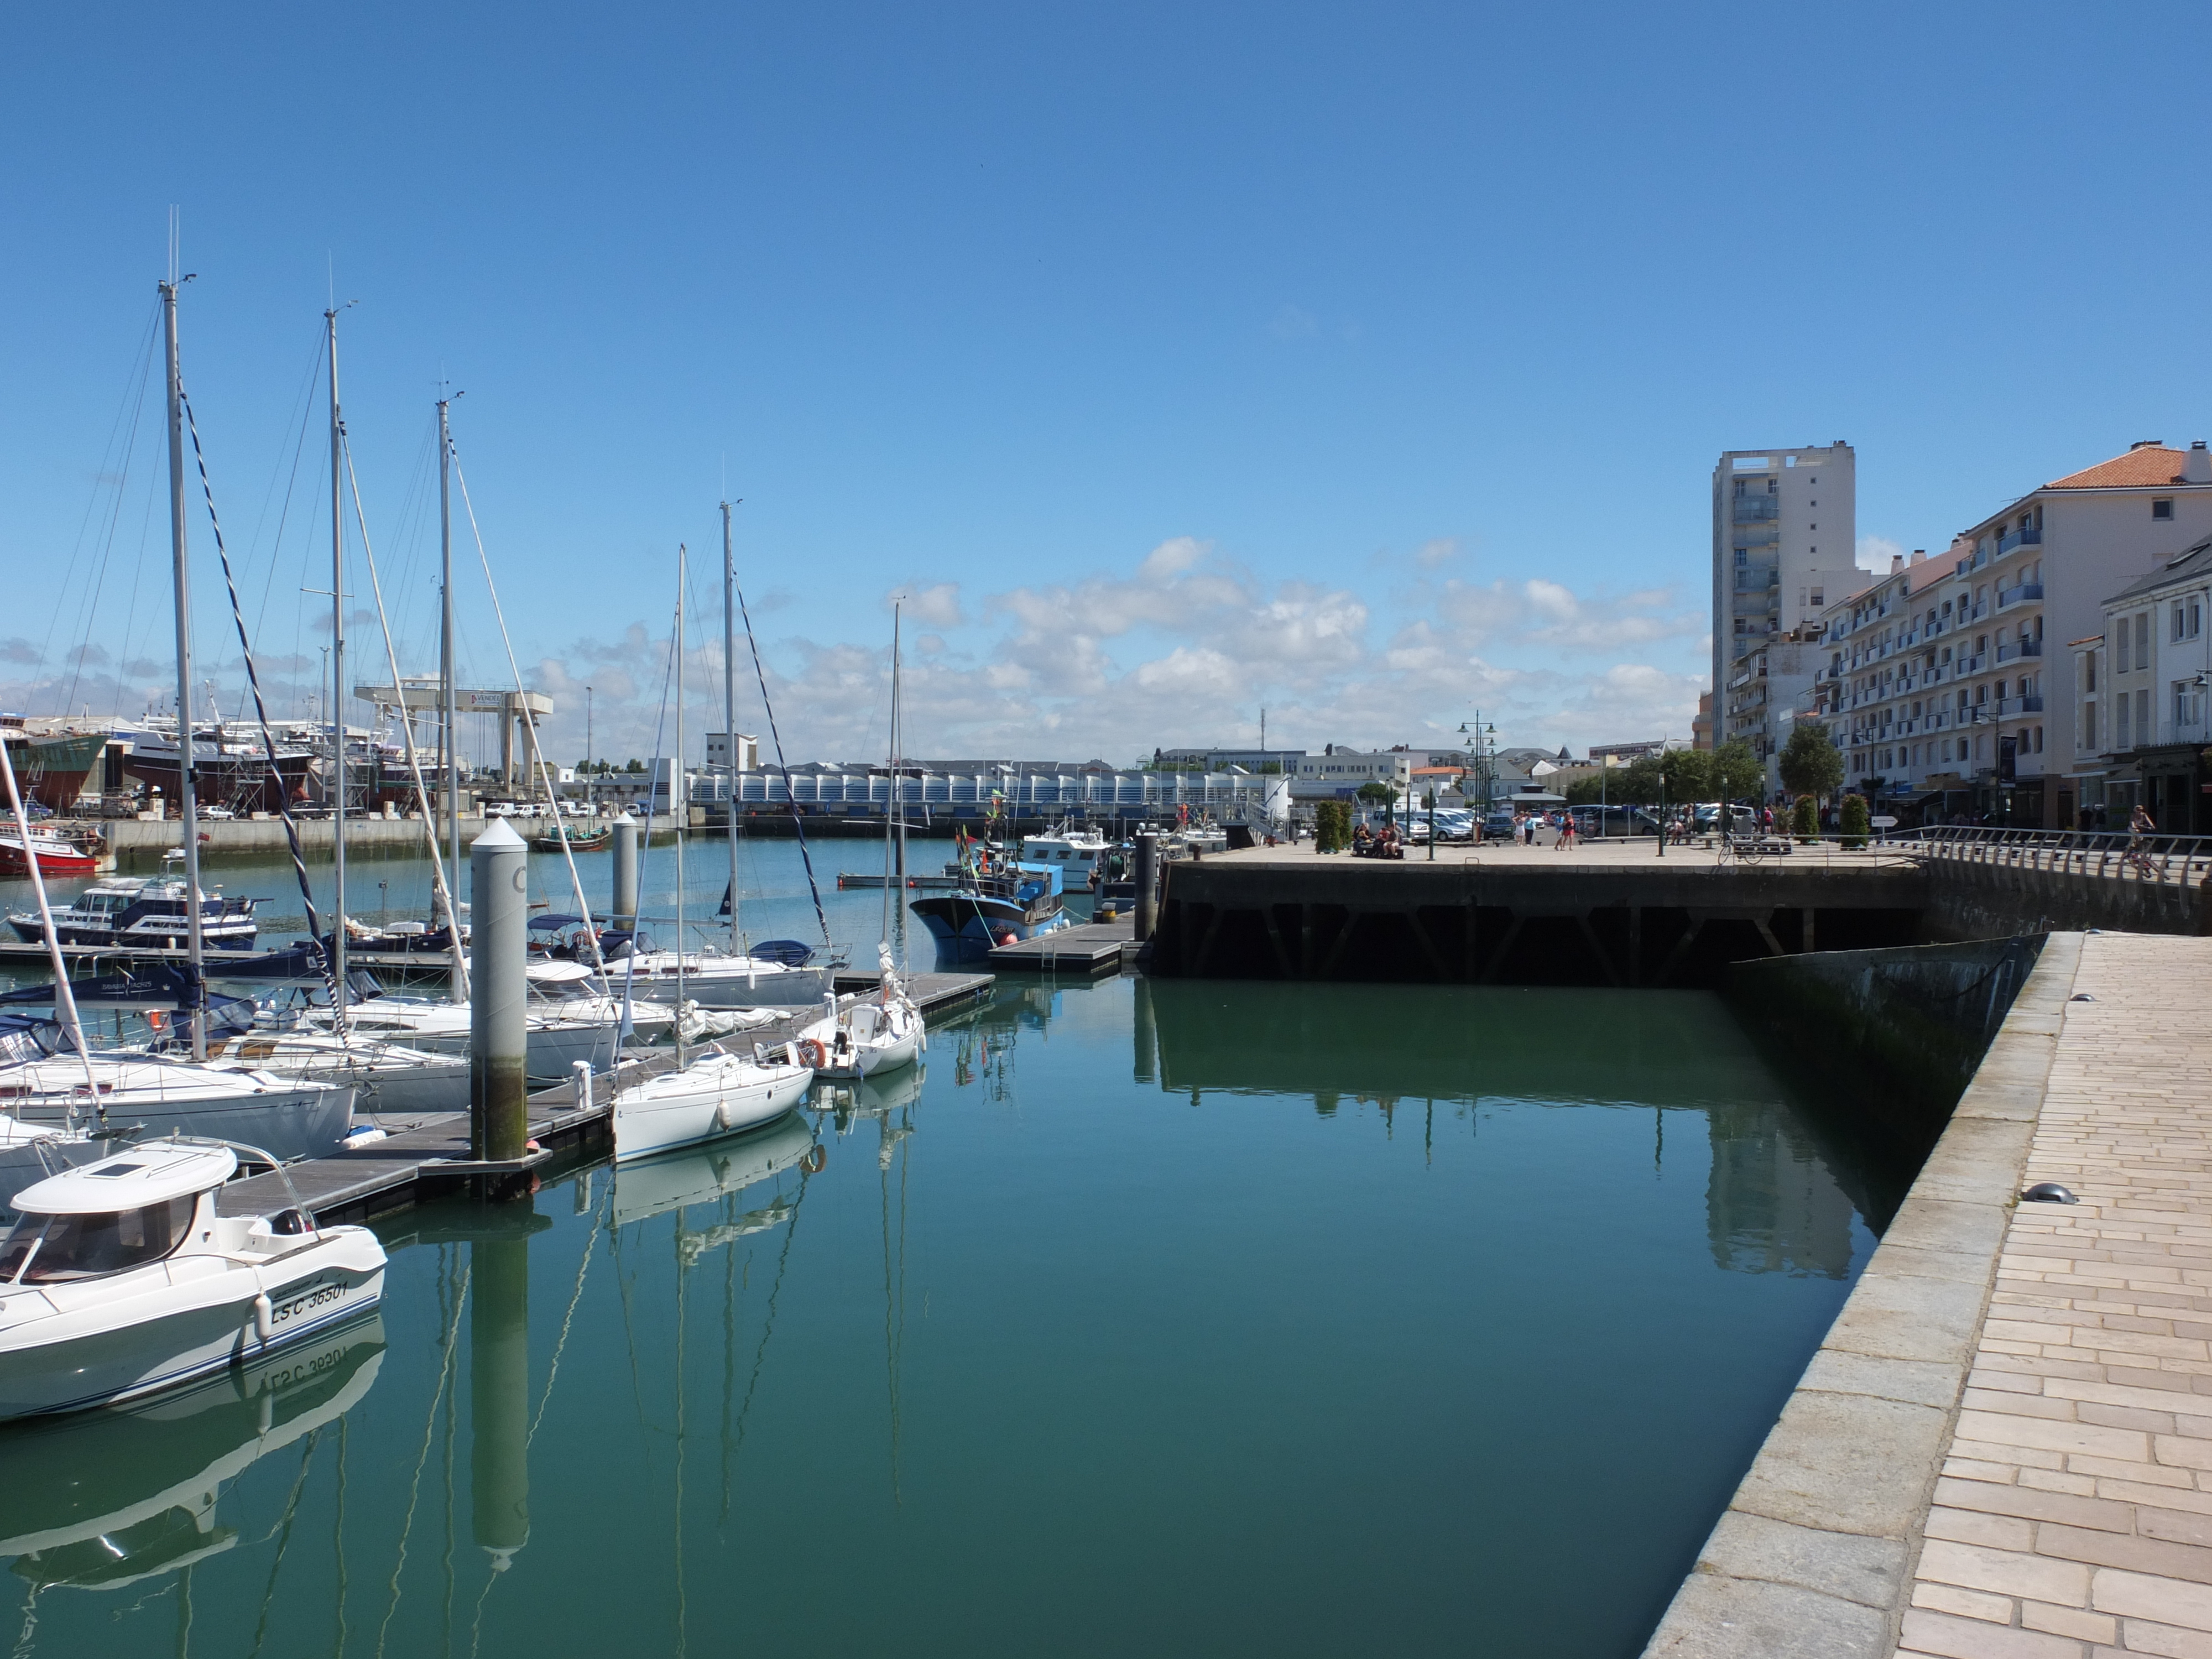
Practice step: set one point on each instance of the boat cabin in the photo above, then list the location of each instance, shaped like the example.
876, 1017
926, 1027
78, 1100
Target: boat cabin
121, 1212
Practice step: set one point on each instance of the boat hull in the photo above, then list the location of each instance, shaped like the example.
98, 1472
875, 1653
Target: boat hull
111, 1349
969, 927
285, 1122
786, 987
55, 859
658, 1122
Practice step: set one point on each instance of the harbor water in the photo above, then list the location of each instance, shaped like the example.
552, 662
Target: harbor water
1174, 1317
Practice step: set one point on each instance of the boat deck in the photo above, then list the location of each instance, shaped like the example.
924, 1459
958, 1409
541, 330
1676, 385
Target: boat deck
429, 1156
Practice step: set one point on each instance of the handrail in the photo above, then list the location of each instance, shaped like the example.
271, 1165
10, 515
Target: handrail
2182, 860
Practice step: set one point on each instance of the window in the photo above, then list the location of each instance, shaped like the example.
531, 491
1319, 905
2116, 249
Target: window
2188, 708
1817, 600
2143, 717
2188, 617
46, 1249
2039, 739
2088, 727
2142, 639
2161, 509
2120, 730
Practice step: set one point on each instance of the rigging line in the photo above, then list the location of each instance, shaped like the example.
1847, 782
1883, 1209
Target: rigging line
529, 718
583, 1266
422, 1457
760, 673
131, 611
91, 610
438, 887
284, 512
283, 1534
92, 503
261, 708
767, 1323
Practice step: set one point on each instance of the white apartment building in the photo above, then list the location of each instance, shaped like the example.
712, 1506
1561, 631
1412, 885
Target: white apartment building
1936, 685
1769, 688
1785, 535
2139, 699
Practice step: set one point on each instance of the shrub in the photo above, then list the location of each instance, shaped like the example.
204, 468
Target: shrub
1857, 824
1806, 822
1331, 826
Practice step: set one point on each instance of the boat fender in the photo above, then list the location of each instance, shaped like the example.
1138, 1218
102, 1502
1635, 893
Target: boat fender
812, 1053
265, 1318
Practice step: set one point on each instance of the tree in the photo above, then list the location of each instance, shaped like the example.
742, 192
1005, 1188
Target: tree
1689, 774
1589, 791
1737, 773
1810, 763
635, 765
1378, 792
1857, 823
1806, 822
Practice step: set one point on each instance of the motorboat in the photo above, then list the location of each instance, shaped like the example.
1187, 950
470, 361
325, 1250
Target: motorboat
717, 1094
1080, 852
123, 1277
1002, 907
103, 1499
569, 990
30, 1152
55, 856
44, 1082
867, 1035
144, 911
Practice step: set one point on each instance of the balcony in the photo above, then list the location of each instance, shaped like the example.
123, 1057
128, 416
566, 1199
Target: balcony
2007, 597
2013, 650
2019, 538
1756, 509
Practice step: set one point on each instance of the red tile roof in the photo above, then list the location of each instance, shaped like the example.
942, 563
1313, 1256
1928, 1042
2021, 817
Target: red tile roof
2148, 467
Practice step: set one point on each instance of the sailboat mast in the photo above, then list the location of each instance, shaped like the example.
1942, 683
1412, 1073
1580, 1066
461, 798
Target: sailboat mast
678, 800
891, 795
898, 748
338, 988
187, 807
447, 701
730, 713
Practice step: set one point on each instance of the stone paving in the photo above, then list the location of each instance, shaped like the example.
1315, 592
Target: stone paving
2072, 1515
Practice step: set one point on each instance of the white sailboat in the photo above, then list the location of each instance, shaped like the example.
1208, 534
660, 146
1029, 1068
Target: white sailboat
868, 1036
719, 1093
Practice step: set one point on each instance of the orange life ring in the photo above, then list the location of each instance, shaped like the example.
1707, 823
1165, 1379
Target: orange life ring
817, 1157
812, 1053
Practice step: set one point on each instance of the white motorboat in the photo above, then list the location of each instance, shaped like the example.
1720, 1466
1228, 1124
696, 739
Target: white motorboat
717, 1094
122, 1278
44, 1083
569, 990
1080, 852
31, 1152
146, 912
868, 1036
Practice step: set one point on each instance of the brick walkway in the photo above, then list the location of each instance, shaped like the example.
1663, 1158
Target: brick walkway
2073, 1517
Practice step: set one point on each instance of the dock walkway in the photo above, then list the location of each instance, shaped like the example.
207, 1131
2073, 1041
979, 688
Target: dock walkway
429, 1156
1090, 947
2003, 1448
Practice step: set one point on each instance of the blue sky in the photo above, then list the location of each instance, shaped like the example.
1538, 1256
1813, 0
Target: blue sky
1365, 362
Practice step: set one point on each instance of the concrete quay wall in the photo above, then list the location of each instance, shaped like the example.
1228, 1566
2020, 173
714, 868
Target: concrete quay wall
138, 843
1972, 899
1815, 1553
1916, 1021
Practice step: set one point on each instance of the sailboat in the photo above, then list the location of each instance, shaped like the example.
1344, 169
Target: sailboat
45, 1070
869, 1036
720, 1093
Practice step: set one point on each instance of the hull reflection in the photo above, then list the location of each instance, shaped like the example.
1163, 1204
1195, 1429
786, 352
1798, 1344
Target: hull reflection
104, 1498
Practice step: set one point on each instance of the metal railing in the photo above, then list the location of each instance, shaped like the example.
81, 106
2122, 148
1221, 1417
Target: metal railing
2010, 596
2029, 537
2182, 861
2013, 650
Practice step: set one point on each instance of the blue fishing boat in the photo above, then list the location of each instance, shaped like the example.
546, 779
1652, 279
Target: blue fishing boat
997, 906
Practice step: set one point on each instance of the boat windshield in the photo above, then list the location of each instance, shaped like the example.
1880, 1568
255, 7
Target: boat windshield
50, 1249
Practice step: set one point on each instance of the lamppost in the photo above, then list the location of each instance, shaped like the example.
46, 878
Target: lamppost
1429, 801
1481, 744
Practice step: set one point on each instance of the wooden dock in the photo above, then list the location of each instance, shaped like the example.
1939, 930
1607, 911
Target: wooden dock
1092, 947
426, 1157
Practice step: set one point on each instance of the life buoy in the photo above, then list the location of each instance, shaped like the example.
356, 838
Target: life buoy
812, 1053
816, 1160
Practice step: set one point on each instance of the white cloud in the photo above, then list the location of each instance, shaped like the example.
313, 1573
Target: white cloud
1874, 553
938, 606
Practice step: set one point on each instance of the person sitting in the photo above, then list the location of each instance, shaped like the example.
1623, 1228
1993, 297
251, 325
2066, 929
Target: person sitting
1361, 841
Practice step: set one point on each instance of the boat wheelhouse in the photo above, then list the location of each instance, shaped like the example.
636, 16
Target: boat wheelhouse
146, 912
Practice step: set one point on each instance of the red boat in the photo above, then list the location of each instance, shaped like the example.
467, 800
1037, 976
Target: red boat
55, 856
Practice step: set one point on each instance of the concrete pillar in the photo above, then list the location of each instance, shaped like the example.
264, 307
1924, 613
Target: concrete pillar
624, 916
1147, 1067
499, 1394
1148, 884
498, 1107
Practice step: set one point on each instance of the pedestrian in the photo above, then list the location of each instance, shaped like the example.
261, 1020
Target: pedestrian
1566, 832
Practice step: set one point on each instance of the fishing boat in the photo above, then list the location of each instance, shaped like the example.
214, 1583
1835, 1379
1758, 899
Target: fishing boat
869, 1036
1002, 907
123, 1278
574, 838
144, 912
53, 769
226, 769
1080, 852
57, 856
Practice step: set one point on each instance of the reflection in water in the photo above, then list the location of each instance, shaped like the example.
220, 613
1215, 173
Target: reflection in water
99, 1499
1197, 1284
